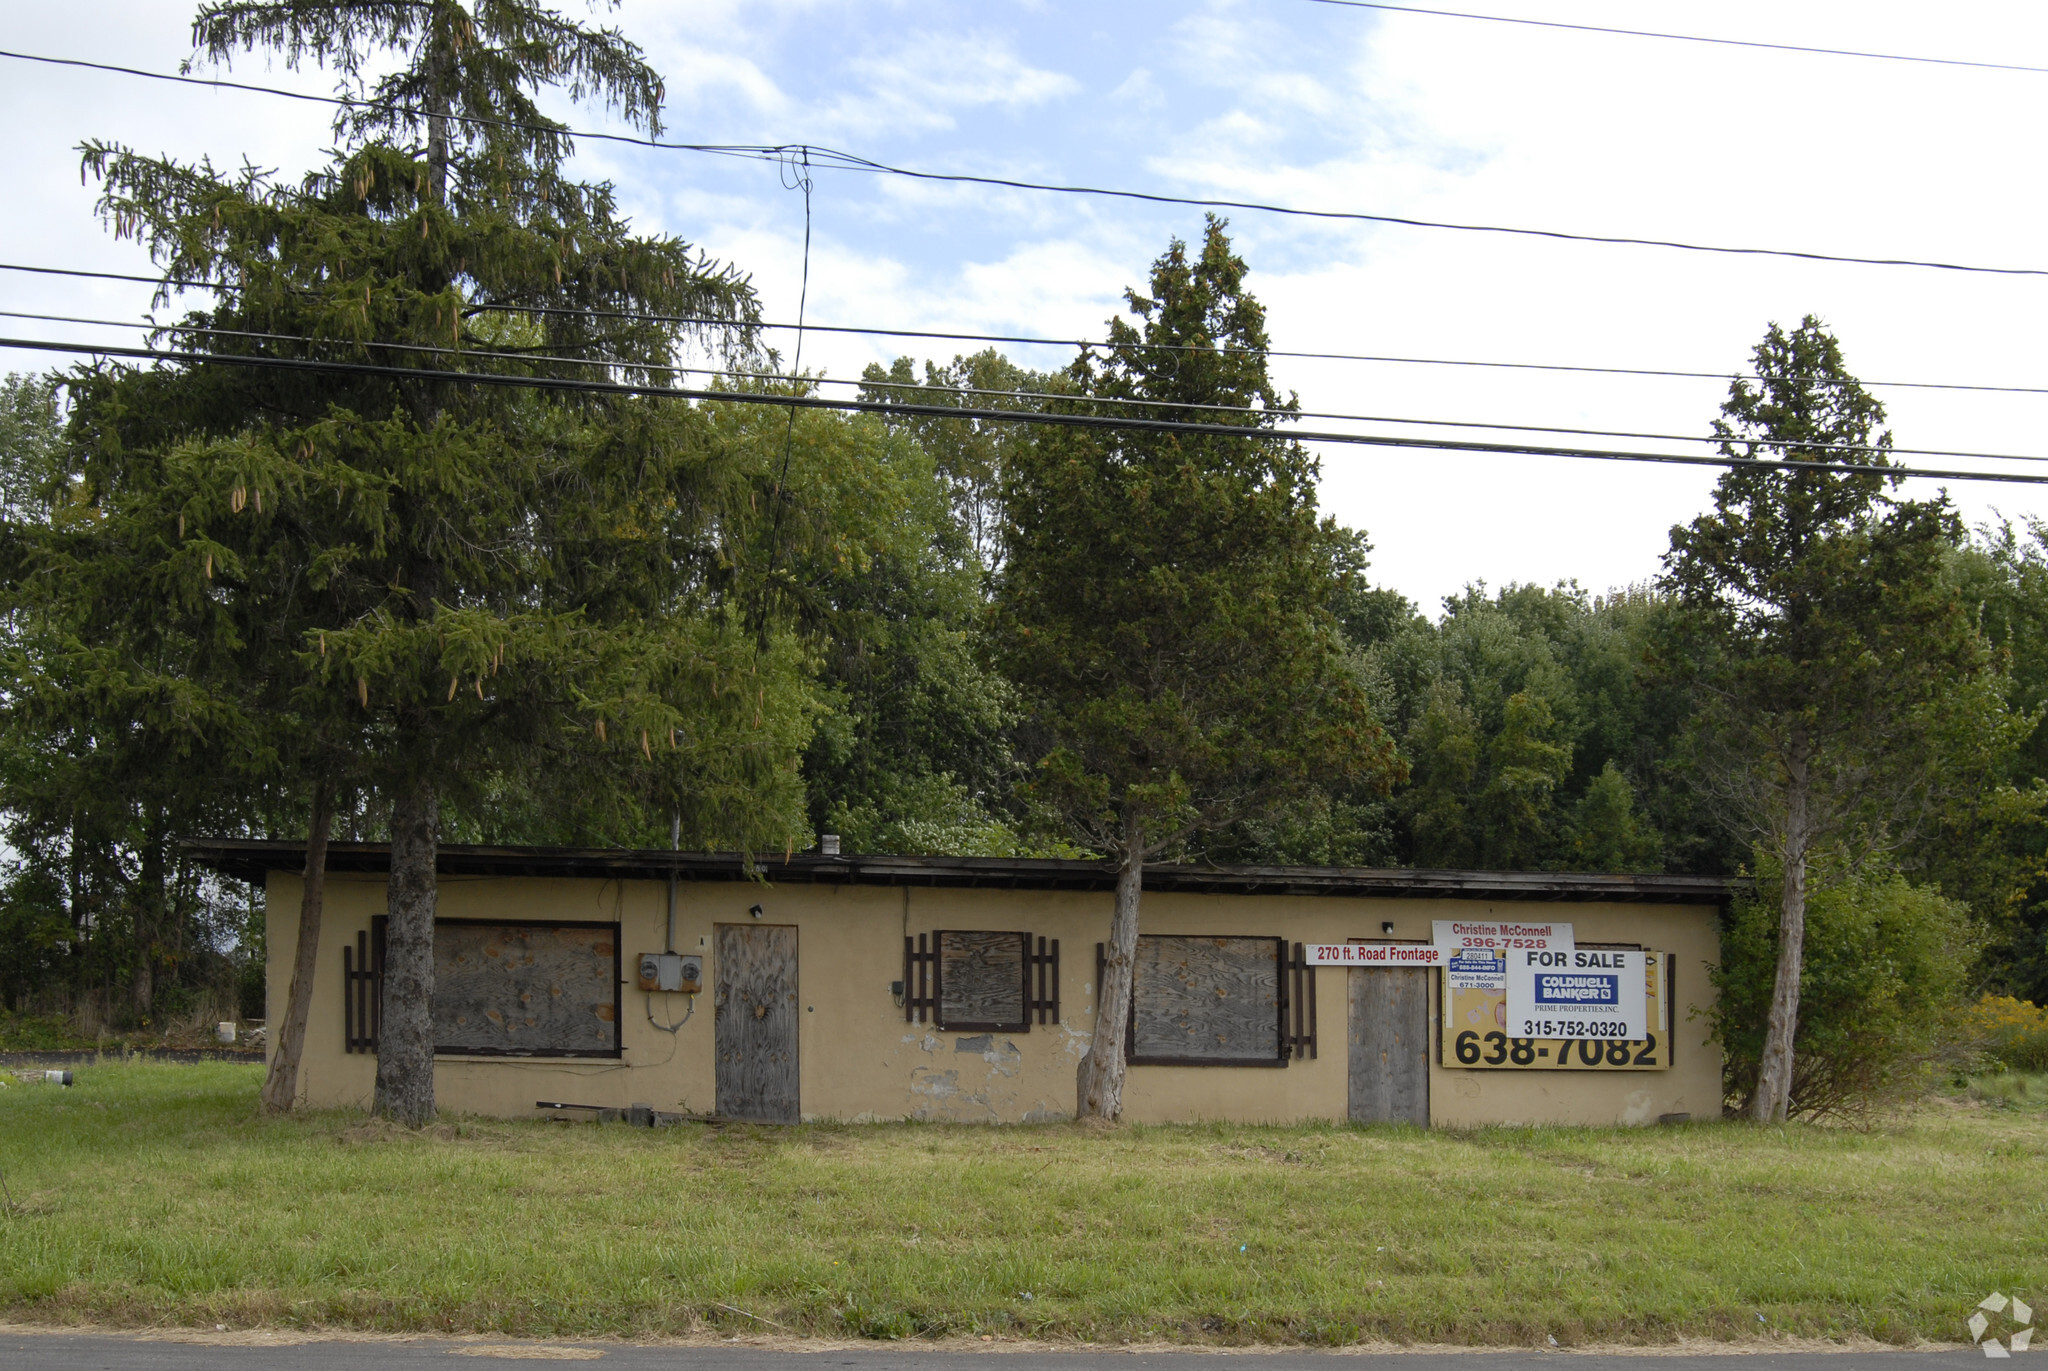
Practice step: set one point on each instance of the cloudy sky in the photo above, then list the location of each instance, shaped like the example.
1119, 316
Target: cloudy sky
1303, 104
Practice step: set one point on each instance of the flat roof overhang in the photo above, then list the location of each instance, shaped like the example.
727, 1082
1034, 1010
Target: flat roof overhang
252, 860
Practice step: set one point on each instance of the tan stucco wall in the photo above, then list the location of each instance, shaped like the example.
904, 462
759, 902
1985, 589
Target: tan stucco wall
859, 1059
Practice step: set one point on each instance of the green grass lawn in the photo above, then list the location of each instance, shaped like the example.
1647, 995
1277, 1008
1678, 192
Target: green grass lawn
156, 1194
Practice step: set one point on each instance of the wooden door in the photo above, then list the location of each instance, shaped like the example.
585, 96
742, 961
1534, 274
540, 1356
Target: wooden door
1390, 1045
755, 1016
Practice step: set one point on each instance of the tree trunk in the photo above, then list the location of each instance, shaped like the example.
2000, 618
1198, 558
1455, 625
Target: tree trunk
439, 63
281, 1086
1773, 1098
81, 916
405, 1041
148, 895
1101, 1077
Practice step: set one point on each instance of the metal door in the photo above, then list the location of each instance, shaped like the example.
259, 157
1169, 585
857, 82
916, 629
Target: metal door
1390, 1045
755, 1016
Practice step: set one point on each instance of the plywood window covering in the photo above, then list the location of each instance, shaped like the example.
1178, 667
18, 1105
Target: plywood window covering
526, 988
1219, 1001
502, 988
978, 981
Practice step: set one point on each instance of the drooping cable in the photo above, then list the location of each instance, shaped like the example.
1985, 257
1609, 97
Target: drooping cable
815, 156
802, 173
850, 162
1669, 373
1686, 37
1046, 418
608, 364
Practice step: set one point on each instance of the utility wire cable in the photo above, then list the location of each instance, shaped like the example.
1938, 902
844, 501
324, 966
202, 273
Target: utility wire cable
1033, 340
850, 162
349, 102
816, 156
802, 182
1686, 37
797, 378
1042, 418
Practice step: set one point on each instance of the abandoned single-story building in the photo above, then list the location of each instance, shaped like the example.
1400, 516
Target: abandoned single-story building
868, 988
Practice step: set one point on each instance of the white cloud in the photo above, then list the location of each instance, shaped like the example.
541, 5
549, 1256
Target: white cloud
1313, 106
697, 76
924, 84
1139, 89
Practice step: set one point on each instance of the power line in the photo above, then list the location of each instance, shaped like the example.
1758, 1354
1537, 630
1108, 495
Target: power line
802, 172
798, 378
850, 162
1685, 37
846, 161
1041, 418
347, 102
1035, 341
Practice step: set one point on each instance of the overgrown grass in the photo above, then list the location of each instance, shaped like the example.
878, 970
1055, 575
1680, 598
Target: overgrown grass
81, 1030
2008, 1090
38, 1033
155, 1193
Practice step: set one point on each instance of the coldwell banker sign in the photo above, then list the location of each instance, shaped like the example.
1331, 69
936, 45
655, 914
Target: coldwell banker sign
1581, 993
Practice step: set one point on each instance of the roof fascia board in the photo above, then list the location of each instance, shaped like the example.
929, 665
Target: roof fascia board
252, 860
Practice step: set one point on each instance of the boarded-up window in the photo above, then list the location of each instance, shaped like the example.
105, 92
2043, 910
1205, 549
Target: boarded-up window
982, 986
518, 989
1208, 1002
979, 981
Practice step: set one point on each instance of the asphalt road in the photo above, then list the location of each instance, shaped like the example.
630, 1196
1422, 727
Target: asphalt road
92, 1352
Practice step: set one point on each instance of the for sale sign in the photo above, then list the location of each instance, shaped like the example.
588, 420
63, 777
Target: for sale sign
1456, 935
1577, 994
1484, 969
1374, 954
1477, 1035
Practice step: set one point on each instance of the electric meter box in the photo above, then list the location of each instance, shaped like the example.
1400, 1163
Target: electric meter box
671, 971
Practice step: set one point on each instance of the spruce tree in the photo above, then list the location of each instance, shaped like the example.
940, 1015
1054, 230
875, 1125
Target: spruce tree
467, 587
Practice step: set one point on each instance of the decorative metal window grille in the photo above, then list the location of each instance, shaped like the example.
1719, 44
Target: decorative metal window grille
362, 988
981, 982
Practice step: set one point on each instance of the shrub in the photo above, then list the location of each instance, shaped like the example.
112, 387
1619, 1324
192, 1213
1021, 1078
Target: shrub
1880, 994
2011, 1032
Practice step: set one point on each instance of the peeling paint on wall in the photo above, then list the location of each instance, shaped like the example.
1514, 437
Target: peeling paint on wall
1004, 1057
944, 1099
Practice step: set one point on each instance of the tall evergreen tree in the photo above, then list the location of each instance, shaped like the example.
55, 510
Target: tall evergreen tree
117, 738
1830, 657
1164, 607
493, 582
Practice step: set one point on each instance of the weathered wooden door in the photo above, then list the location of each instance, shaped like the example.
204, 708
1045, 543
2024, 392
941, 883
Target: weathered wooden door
755, 1017
1390, 1045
